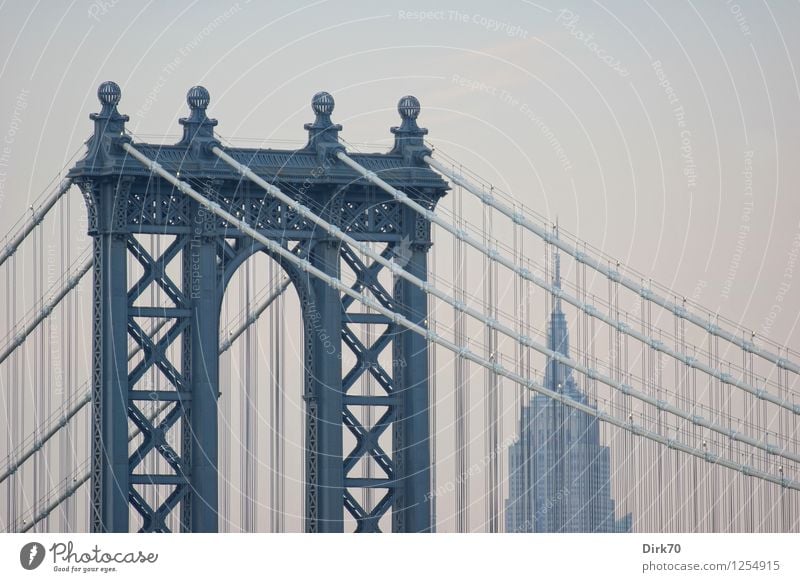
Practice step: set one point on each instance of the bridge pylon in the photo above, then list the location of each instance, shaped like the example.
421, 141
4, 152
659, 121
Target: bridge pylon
187, 272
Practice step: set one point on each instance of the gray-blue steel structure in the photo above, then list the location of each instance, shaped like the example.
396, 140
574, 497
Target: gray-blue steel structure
124, 201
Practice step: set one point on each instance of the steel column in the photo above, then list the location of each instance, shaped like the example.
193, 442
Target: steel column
110, 378
326, 316
202, 287
412, 512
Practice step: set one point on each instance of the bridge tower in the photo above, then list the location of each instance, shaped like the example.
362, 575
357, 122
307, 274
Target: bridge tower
198, 257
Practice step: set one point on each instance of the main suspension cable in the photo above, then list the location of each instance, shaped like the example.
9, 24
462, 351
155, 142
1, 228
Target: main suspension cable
334, 282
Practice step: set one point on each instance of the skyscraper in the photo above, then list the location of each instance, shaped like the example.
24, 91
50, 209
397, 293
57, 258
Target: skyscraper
559, 473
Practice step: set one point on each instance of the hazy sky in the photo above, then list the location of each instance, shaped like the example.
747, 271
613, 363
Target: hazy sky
662, 132
632, 122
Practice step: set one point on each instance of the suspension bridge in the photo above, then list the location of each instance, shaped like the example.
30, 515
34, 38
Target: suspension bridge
224, 338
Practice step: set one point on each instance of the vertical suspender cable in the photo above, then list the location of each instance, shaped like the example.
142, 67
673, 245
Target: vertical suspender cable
749, 514
716, 484
70, 371
488, 392
733, 478
281, 332
661, 482
547, 478
250, 408
278, 405
277, 427
630, 442
367, 385
497, 454
36, 372
781, 523
528, 522
243, 392
674, 464
153, 462
462, 381
47, 387
65, 463
518, 498
695, 466
78, 440
433, 399
627, 367
15, 420
272, 360
226, 387
642, 490
684, 494
253, 362
490, 395
588, 512
762, 412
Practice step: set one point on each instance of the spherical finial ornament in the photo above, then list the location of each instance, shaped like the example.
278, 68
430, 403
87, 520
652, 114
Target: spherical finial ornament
408, 107
322, 103
198, 97
109, 93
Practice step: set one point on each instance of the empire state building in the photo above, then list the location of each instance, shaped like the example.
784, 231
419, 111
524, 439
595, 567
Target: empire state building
559, 473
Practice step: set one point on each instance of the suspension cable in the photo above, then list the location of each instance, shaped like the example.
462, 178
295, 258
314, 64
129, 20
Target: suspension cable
62, 420
555, 356
647, 294
492, 323
224, 346
45, 311
35, 219
334, 282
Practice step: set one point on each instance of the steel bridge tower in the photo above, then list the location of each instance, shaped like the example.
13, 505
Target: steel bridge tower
125, 201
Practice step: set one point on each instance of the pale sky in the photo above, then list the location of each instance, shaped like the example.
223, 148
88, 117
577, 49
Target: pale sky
500, 84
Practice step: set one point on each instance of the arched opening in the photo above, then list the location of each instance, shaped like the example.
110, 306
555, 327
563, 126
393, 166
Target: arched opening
261, 409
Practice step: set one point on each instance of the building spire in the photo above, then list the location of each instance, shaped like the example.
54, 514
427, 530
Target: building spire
557, 274
558, 376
